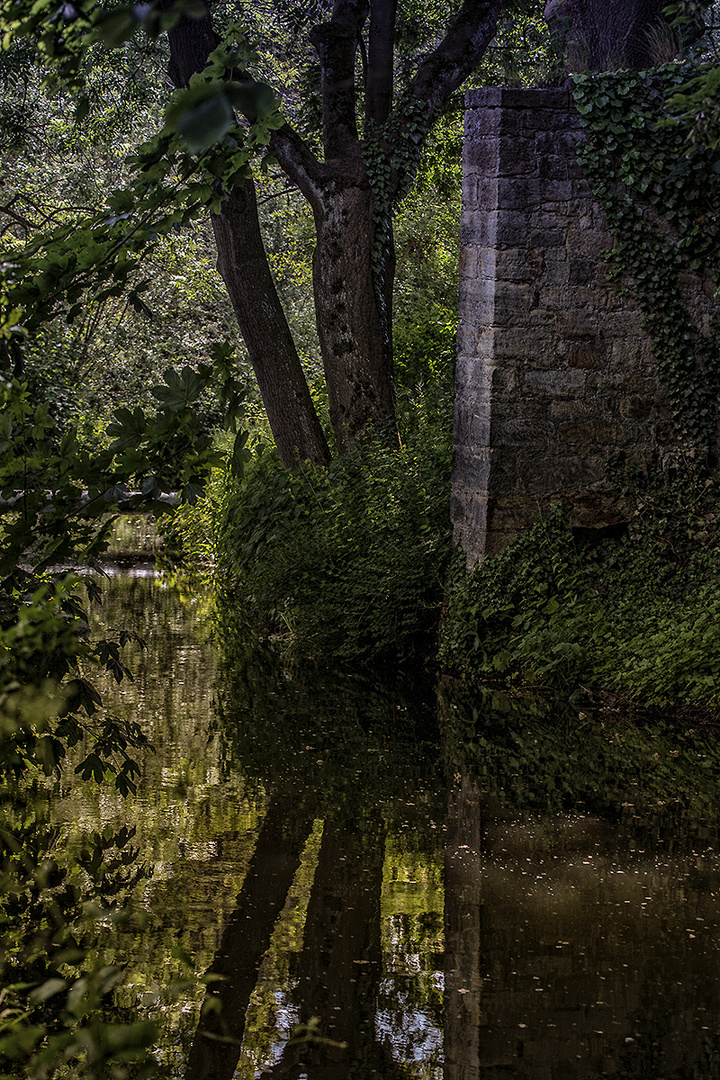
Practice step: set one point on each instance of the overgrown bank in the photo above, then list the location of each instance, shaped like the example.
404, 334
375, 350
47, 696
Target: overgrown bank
354, 564
636, 616
346, 563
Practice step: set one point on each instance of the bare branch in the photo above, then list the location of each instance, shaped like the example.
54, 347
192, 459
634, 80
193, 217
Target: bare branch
336, 43
379, 83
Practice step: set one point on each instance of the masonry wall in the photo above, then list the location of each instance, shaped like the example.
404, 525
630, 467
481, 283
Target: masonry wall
554, 371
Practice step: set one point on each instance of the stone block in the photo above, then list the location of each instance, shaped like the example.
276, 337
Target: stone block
486, 193
480, 123
554, 384
487, 261
638, 407
511, 301
511, 229
562, 143
514, 513
513, 431
484, 97
472, 425
469, 191
545, 238
539, 119
468, 262
517, 157
587, 355
481, 156
517, 194
474, 318
473, 377
555, 191
516, 265
572, 410
583, 271
590, 434
475, 228
552, 167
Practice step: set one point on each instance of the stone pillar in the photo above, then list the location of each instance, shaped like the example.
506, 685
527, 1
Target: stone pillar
554, 370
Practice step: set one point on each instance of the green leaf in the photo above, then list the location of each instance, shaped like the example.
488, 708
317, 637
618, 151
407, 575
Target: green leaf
204, 124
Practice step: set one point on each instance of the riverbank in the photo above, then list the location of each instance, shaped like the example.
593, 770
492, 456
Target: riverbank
631, 618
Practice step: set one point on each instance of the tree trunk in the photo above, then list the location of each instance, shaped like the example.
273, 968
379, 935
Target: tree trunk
354, 331
243, 264
606, 35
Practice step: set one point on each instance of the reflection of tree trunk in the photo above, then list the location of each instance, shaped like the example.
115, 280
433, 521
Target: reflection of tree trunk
341, 963
462, 933
216, 1046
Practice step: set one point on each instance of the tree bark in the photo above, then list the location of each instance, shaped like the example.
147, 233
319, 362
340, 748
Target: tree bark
354, 331
280, 377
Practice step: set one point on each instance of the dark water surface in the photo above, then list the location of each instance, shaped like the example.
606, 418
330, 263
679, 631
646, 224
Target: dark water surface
312, 844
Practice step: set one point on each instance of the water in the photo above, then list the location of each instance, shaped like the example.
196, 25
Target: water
530, 900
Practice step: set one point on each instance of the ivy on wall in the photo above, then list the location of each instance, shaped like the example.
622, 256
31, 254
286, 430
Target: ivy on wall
661, 199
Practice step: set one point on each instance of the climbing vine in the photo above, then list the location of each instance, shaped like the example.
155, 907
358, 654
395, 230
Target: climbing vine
392, 153
660, 196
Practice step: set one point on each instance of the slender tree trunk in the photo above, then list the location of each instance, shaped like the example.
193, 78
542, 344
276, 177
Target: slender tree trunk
354, 331
280, 377
243, 264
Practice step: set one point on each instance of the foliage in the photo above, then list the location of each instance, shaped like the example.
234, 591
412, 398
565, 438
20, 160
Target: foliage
537, 758
635, 616
56, 908
345, 562
658, 200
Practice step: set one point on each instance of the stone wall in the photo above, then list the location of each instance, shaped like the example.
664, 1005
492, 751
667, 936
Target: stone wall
554, 370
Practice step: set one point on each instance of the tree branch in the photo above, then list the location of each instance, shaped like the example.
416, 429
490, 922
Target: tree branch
298, 162
457, 55
336, 43
379, 83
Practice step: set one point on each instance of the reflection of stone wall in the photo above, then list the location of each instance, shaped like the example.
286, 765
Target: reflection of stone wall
554, 370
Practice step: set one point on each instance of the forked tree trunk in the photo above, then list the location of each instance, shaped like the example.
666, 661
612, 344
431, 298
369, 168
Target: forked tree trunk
353, 281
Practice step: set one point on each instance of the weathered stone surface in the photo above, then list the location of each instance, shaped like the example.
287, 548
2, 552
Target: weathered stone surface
554, 369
